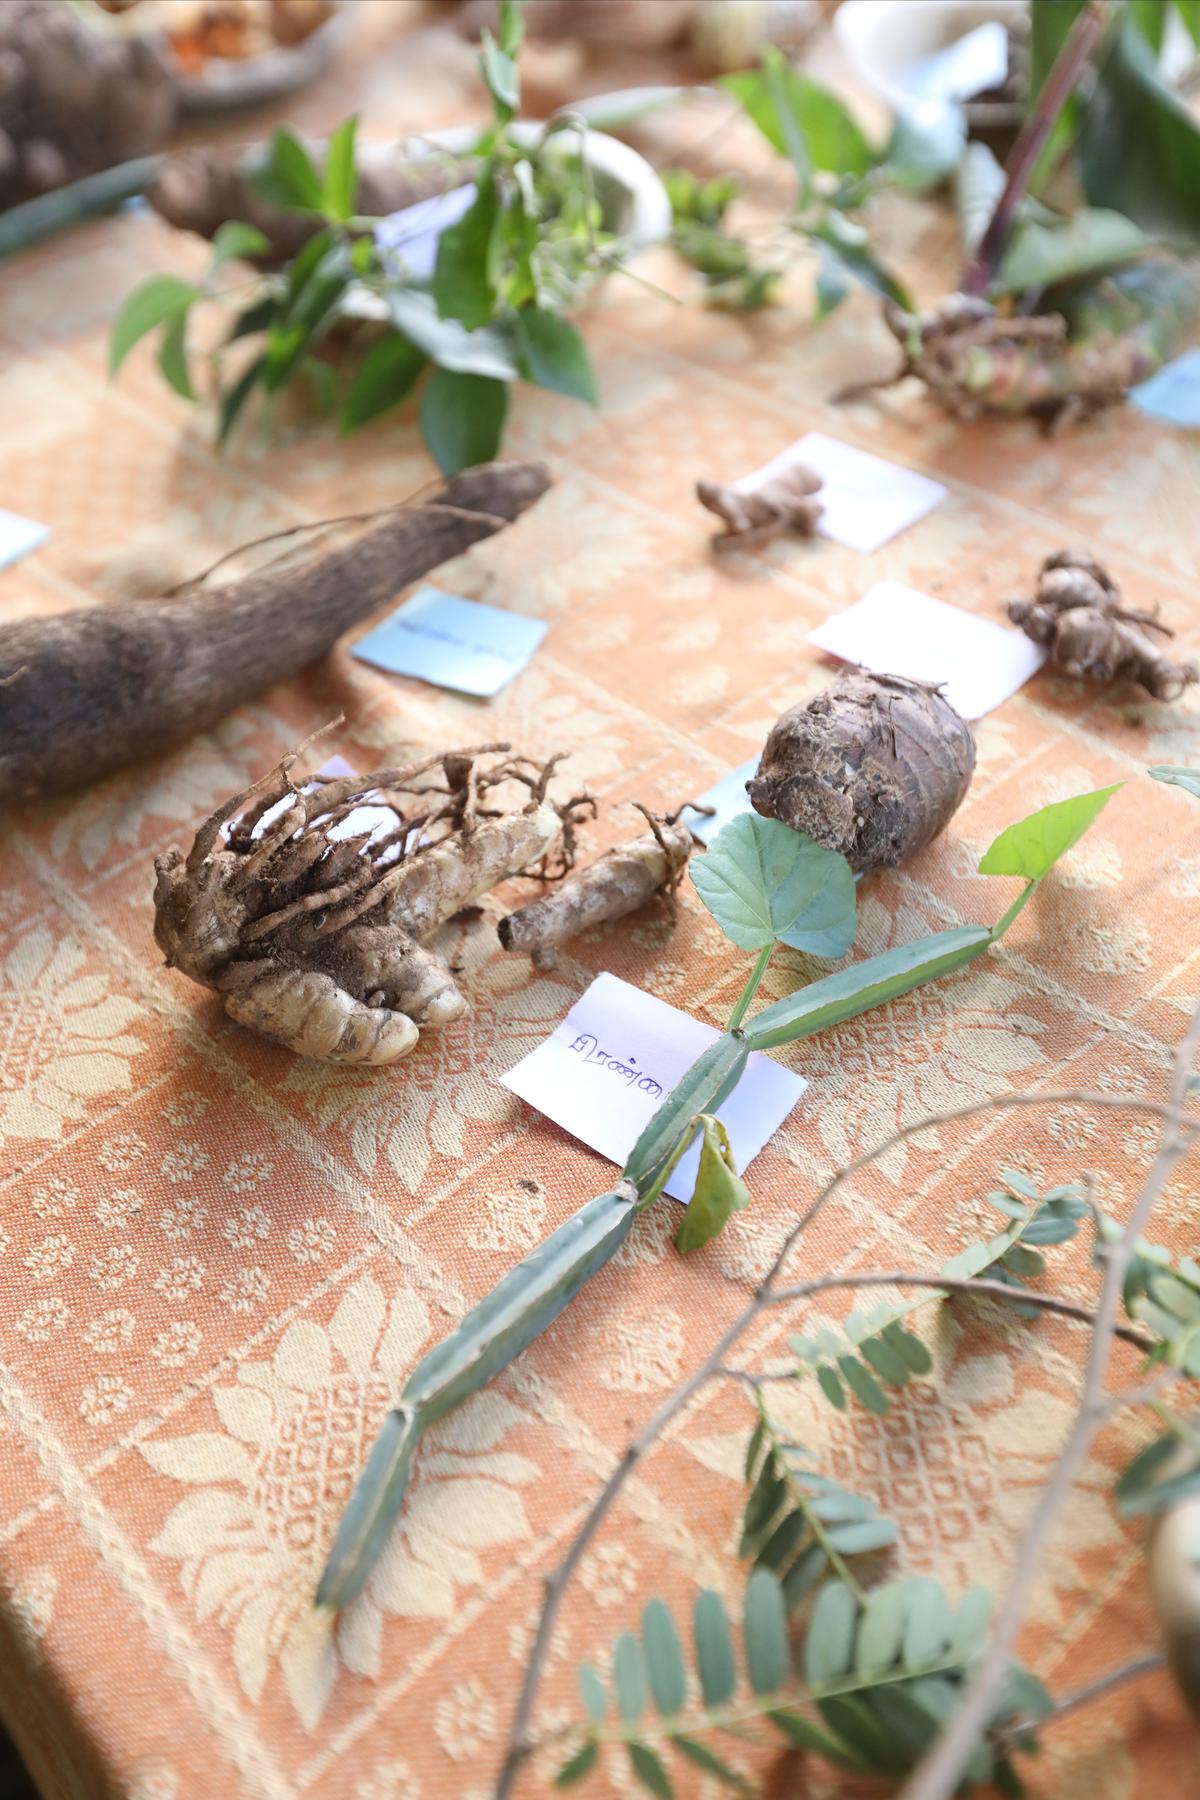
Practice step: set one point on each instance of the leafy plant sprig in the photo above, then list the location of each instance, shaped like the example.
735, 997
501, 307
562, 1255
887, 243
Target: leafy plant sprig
764, 884
491, 312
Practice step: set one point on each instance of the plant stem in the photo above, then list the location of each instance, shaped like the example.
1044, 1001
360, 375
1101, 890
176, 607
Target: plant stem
1057, 89
87, 198
751, 988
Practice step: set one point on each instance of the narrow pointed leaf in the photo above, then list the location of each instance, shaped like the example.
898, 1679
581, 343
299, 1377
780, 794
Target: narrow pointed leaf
1032, 846
783, 1542
831, 1387
286, 176
156, 302
803, 1576
340, 183
581, 1764
386, 376
909, 1346
648, 1768
699, 1753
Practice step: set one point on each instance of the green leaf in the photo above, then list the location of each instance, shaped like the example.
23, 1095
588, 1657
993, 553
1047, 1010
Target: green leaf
802, 1733
234, 399
650, 1772
866, 1534
761, 881
909, 1346
553, 354
829, 1640
803, 1576
754, 1449
831, 1387
155, 302
579, 1765
462, 418
885, 1359
664, 1658
880, 1631
235, 241
1093, 238
256, 317
340, 182
446, 341
591, 1691
779, 96
1032, 846
708, 1760
1189, 12
373, 1504
846, 247
1150, 17
719, 1191
709, 1081
500, 74
462, 277
785, 1539
926, 1621
764, 1498
1051, 21
863, 1385
968, 1627
768, 1661
714, 1649
287, 177
629, 1677
172, 356
1187, 779
864, 985
386, 376
1139, 146
833, 285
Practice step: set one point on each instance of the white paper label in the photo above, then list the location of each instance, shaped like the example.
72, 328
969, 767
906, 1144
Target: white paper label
618, 1053
414, 232
865, 500
894, 630
455, 643
19, 536
973, 64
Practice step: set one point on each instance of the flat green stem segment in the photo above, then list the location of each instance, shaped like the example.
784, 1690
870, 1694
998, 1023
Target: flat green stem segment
377, 1498
709, 1081
864, 985
751, 988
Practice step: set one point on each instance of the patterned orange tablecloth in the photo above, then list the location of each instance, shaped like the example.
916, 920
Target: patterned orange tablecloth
218, 1262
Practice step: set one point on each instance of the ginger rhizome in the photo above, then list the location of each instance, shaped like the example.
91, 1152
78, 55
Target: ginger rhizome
314, 938
873, 767
1077, 613
755, 515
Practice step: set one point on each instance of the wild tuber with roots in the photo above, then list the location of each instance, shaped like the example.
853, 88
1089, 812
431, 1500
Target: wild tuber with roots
84, 693
1077, 614
619, 882
313, 937
873, 767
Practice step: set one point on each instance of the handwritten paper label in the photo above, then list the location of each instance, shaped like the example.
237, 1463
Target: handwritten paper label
412, 234
1173, 393
865, 500
894, 630
973, 64
19, 536
729, 798
459, 644
615, 1057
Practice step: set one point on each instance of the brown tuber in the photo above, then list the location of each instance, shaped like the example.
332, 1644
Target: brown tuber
311, 932
84, 693
617, 883
1077, 614
873, 767
756, 515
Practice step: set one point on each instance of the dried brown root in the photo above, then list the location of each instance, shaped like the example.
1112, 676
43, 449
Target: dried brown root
312, 937
1078, 616
873, 767
617, 883
755, 516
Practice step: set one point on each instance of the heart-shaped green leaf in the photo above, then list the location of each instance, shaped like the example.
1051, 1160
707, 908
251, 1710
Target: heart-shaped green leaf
763, 881
1032, 846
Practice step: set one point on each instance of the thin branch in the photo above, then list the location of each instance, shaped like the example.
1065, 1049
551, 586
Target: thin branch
558, 1579
1057, 89
940, 1770
1086, 1695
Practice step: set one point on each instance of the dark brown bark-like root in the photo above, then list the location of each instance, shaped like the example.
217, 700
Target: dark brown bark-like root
86, 692
755, 516
201, 188
1078, 616
313, 936
873, 767
617, 883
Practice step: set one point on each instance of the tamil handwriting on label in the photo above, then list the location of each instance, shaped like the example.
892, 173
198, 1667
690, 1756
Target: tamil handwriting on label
592, 1053
603, 1074
456, 643
864, 499
895, 630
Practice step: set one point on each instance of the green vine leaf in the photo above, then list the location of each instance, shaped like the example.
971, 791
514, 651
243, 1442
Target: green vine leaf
719, 1191
340, 181
1032, 846
286, 177
386, 376
462, 418
462, 278
159, 301
763, 882
235, 241
784, 104
553, 354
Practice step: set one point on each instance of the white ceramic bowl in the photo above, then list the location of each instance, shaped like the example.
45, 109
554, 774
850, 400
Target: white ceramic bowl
883, 39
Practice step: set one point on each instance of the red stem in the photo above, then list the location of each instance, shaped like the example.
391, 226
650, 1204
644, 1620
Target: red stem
1057, 89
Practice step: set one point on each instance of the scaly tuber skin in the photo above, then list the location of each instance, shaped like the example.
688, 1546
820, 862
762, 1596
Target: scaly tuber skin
873, 767
313, 939
84, 693
1078, 616
619, 882
202, 188
754, 517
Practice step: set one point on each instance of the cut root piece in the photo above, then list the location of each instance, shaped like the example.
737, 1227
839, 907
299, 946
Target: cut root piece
753, 516
309, 1013
873, 767
1078, 616
619, 882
